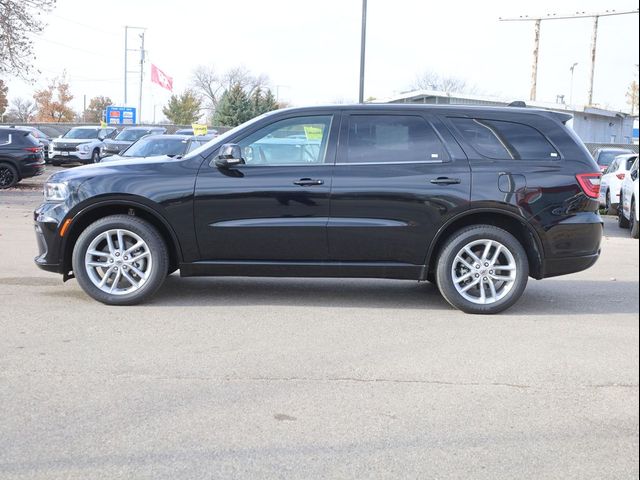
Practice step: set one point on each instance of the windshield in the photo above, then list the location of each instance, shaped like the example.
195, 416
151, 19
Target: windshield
82, 133
605, 158
152, 146
220, 139
131, 135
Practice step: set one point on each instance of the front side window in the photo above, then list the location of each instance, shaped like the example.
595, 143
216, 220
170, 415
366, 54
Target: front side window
392, 139
501, 140
295, 141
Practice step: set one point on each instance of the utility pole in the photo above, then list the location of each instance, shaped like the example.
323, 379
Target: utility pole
555, 16
363, 41
126, 54
536, 51
141, 76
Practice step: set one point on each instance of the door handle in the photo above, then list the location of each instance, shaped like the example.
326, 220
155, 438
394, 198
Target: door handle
308, 182
446, 181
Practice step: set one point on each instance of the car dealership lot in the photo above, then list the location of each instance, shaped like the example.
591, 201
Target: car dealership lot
249, 378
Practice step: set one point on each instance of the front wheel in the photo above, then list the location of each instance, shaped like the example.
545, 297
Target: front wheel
95, 156
120, 260
482, 270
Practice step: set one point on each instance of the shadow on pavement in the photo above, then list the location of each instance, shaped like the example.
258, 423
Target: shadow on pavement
545, 298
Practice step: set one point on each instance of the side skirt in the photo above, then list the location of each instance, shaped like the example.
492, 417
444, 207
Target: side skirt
399, 271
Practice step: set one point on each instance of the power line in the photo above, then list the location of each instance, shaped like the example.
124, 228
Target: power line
86, 25
71, 47
554, 16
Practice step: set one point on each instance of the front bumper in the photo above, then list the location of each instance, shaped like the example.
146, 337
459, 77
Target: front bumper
47, 219
63, 157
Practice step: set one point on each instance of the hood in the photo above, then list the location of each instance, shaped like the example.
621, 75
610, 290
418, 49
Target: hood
73, 141
129, 160
79, 174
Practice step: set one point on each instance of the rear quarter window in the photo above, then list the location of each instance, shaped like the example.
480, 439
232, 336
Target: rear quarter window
502, 140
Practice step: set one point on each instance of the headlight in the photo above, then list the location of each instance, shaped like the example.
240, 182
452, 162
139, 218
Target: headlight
56, 192
83, 148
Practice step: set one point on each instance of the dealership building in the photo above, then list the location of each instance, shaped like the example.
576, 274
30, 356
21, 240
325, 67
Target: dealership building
593, 125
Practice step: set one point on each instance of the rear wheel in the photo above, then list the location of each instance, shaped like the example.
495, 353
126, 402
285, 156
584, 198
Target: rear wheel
633, 223
8, 176
483, 270
120, 260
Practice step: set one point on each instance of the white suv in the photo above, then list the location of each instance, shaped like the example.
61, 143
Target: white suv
80, 144
628, 214
611, 183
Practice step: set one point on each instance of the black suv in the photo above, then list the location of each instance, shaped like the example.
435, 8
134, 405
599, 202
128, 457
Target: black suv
473, 199
21, 156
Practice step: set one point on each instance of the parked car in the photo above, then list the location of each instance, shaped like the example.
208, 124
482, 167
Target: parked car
475, 199
604, 156
628, 211
189, 131
611, 183
125, 138
21, 156
80, 144
42, 137
155, 146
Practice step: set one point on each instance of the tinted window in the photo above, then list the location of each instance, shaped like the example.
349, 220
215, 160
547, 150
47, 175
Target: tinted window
131, 135
295, 141
630, 162
392, 138
505, 140
155, 146
605, 157
4, 137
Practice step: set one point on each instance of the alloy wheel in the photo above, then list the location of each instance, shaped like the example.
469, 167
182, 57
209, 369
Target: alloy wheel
118, 262
7, 177
484, 272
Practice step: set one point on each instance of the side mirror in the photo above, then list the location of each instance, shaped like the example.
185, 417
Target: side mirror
230, 156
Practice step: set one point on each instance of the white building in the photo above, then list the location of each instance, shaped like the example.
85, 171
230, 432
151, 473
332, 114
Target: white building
592, 124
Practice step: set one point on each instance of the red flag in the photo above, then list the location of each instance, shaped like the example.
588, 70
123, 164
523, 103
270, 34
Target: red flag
161, 78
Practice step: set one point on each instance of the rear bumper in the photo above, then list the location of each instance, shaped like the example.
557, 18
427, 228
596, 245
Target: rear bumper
572, 245
32, 169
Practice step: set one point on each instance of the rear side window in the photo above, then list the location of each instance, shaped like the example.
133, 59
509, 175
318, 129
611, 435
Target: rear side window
392, 138
5, 138
505, 140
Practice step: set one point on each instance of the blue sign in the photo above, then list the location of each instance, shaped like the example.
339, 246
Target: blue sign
121, 116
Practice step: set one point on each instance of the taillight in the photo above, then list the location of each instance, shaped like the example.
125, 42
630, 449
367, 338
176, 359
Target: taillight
33, 149
590, 184
621, 176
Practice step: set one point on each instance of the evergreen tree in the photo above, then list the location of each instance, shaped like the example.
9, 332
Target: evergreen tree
235, 107
183, 109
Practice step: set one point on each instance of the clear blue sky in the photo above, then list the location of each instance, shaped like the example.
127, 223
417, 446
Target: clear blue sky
311, 49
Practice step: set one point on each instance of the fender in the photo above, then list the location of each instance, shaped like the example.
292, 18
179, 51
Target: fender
132, 201
485, 210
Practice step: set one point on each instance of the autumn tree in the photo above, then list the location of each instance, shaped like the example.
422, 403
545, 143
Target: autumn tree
19, 21
21, 110
183, 109
3, 97
53, 102
96, 108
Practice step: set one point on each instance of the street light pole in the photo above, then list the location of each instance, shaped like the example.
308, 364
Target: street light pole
573, 67
363, 41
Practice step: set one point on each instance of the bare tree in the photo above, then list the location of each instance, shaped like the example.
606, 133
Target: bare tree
206, 82
22, 110
18, 20
430, 80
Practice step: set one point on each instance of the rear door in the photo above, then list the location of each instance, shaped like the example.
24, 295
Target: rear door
397, 179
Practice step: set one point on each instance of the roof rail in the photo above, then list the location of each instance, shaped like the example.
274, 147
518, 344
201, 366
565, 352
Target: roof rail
518, 103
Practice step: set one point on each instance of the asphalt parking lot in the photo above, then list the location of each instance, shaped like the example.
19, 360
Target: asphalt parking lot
281, 378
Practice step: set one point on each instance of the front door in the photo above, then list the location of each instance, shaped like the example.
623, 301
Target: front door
398, 178
275, 207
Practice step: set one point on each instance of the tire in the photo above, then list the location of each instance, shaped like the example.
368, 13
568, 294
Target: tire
55, 163
633, 224
95, 156
608, 208
622, 220
511, 256
151, 268
8, 176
